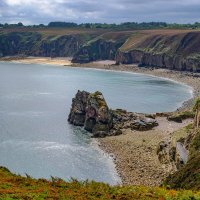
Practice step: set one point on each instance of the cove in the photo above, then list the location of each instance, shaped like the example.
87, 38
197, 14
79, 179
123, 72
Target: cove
35, 100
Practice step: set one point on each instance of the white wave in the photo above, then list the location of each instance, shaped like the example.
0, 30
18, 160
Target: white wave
43, 145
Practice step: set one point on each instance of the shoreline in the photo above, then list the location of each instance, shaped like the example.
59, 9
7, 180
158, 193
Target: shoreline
135, 157
188, 79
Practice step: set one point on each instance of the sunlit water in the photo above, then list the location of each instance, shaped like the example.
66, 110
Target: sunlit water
35, 100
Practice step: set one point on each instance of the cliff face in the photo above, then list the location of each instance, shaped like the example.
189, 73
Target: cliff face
98, 50
34, 44
173, 51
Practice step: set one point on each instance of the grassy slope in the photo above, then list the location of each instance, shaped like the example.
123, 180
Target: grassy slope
156, 41
136, 37
56, 32
170, 42
16, 187
188, 177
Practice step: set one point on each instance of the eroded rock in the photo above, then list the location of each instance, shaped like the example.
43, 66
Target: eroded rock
90, 110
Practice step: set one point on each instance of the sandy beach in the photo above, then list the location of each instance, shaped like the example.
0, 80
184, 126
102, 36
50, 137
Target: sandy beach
134, 152
39, 60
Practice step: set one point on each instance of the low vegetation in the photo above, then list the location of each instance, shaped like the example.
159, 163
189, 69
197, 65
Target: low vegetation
182, 133
188, 177
17, 187
179, 117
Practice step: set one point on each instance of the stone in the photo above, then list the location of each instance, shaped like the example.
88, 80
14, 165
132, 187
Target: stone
143, 124
90, 110
78, 109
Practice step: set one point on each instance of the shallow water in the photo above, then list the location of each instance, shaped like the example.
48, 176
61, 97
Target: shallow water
35, 100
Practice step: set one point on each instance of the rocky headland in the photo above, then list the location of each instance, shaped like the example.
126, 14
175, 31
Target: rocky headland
169, 49
146, 148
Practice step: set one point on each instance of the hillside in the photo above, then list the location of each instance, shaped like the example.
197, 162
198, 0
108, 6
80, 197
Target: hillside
165, 48
172, 49
189, 175
17, 187
54, 42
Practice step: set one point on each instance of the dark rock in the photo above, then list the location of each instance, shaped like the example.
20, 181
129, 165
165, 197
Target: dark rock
117, 132
175, 118
78, 110
91, 111
99, 49
143, 124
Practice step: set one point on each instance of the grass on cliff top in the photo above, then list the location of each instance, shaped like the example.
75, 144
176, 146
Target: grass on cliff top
158, 42
16, 187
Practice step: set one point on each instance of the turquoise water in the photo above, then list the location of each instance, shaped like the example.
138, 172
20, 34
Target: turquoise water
35, 100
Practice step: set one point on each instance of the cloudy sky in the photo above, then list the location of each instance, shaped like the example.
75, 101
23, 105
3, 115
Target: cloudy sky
109, 11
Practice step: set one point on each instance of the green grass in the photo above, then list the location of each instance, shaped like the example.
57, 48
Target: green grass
195, 146
17, 187
188, 177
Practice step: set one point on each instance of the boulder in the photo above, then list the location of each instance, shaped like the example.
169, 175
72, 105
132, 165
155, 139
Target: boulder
143, 124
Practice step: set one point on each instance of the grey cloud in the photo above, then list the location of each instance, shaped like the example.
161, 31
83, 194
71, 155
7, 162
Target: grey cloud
110, 11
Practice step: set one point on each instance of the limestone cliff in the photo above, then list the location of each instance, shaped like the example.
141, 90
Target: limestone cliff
171, 49
179, 51
97, 50
35, 44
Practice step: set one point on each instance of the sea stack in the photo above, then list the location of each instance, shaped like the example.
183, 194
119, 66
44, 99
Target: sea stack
90, 110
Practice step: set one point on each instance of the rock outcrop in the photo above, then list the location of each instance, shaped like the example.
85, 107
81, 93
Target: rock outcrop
99, 49
90, 111
134, 121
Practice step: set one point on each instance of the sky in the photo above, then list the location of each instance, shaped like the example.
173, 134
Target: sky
100, 11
